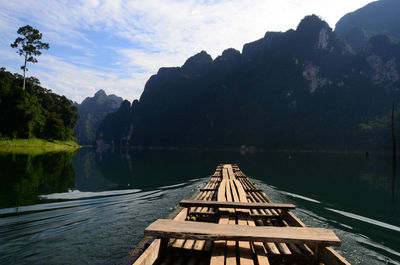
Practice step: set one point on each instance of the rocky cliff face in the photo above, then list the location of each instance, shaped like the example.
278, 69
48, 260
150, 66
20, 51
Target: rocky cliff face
303, 88
379, 17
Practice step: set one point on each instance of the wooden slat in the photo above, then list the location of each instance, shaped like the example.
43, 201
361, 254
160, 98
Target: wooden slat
230, 172
234, 191
331, 257
246, 257
150, 255
219, 247
221, 196
181, 216
261, 253
229, 196
245, 252
242, 205
221, 191
241, 193
166, 228
225, 174
231, 246
218, 251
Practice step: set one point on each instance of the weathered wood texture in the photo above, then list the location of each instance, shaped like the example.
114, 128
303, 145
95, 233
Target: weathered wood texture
242, 205
166, 228
239, 207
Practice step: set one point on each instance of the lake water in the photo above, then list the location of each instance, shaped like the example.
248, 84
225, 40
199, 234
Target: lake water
86, 207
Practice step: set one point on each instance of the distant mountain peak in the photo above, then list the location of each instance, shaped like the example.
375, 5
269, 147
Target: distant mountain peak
100, 93
231, 52
312, 23
198, 60
91, 112
315, 33
229, 55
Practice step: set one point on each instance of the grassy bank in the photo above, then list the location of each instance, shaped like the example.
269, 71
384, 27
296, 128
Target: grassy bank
15, 144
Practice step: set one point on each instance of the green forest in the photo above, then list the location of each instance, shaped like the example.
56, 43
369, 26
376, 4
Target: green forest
35, 112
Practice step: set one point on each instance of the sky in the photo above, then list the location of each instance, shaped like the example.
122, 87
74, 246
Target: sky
116, 45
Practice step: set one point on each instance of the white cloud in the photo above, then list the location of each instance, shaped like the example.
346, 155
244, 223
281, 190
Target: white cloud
149, 62
116, 45
67, 79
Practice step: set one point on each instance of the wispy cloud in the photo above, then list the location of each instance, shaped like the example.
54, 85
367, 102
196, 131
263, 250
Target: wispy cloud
117, 45
82, 82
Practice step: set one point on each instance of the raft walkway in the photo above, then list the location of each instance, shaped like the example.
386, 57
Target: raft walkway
230, 221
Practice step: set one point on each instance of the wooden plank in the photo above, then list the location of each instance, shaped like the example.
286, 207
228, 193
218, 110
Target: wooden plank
259, 250
221, 191
271, 248
231, 246
166, 228
242, 205
234, 191
199, 244
218, 251
221, 196
150, 255
283, 248
206, 198
225, 174
189, 244
230, 172
229, 196
331, 257
245, 252
181, 216
241, 193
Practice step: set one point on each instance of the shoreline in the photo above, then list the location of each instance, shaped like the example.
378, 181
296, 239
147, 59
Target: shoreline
36, 143
244, 150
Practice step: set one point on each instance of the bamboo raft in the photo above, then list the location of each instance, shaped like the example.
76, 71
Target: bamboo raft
230, 221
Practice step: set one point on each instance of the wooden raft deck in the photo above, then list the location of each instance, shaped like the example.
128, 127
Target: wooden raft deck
230, 221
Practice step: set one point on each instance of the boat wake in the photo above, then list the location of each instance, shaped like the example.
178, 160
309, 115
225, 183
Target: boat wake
366, 219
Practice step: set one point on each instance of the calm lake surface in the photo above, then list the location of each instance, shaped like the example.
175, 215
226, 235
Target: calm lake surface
86, 207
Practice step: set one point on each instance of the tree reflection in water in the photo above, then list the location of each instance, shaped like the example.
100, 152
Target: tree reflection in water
26, 175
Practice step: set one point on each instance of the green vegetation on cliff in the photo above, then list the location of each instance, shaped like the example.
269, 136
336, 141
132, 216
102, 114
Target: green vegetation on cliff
35, 112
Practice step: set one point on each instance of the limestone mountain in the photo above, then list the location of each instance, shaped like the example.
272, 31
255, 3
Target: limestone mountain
380, 17
300, 89
91, 112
